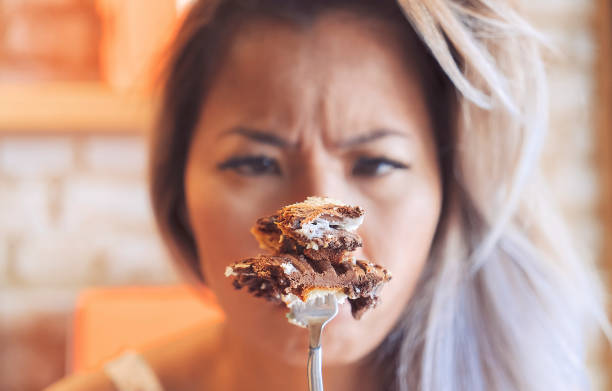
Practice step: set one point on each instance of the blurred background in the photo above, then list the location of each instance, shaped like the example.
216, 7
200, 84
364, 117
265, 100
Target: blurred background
76, 82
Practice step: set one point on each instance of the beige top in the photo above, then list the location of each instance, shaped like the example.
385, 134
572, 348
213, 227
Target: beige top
131, 372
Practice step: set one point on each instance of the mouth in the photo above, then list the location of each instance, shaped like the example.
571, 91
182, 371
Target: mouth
344, 310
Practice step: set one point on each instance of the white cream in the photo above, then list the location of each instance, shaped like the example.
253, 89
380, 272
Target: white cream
351, 223
312, 245
291, 319
288, 268
322, 292
291, 300
229, 270
315, 229
320, 227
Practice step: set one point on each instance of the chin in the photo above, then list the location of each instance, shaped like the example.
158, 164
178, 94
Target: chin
345, 340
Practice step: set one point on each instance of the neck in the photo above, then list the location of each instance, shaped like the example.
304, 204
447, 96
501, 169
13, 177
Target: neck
243, 366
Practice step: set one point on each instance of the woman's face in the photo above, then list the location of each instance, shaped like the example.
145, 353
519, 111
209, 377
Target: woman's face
334, 110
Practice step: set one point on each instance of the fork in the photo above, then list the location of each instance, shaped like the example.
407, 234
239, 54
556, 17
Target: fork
314, 314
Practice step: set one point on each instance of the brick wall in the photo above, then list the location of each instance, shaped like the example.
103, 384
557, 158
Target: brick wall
74, 213
74, 210
29, 51
569, 156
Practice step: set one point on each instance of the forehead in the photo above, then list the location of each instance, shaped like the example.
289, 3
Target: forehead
344, 67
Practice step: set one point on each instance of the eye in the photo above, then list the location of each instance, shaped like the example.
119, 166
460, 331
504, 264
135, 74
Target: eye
251, 165
375, 166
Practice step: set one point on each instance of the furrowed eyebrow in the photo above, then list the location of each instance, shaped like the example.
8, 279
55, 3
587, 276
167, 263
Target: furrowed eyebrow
369, 137
258, 135
268, 137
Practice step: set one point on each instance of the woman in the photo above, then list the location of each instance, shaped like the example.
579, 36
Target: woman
429, 115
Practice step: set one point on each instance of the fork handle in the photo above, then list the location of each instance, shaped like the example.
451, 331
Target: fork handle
315, 377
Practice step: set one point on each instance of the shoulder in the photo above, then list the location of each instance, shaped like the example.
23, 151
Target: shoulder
181, 362
173, 361
92, 381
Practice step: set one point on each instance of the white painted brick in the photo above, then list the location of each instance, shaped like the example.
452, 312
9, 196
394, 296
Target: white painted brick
115, 155
567, 144
554, 21
571, 48
36, 156
579, 120
570, 91
4, 261
104, 201
139, 260
591, 230
547, 9
575, 184
92, 255
61, 259
20, 303
24, 207
587, 231
570, 137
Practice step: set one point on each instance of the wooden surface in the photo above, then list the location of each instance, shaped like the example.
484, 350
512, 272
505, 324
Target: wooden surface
63, 63
73, 107
109, 320
604, 144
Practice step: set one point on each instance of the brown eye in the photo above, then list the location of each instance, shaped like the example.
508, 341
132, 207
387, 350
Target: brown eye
251, 165
375, 166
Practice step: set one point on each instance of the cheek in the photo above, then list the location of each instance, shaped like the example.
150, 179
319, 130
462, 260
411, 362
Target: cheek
398, 236
220, 226
221, 220
221, 212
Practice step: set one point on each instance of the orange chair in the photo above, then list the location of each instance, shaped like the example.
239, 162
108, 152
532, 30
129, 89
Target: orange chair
109, 320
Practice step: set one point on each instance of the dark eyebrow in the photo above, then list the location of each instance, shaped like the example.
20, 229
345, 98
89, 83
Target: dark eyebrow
369, 137
261, 136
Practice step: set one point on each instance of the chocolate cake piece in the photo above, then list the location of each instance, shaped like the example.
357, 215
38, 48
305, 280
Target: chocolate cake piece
271, 238
289, 279
321, 223
311, 244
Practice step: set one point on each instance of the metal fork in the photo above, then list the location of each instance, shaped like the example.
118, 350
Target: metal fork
315, 314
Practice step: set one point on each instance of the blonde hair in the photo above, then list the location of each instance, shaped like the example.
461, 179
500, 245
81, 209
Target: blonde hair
504, 302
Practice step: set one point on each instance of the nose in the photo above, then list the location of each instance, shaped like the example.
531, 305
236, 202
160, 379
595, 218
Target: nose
317, 176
